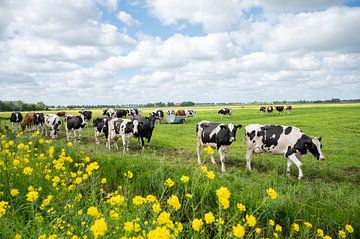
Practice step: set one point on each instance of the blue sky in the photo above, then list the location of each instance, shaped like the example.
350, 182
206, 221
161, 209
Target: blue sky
129, 51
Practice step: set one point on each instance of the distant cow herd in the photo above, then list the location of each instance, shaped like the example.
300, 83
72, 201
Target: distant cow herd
273, 139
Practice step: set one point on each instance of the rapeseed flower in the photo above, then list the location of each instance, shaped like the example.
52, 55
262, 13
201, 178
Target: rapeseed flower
3, 206
169, 183
138, 200
164, 218
209, 150
223, 195
93, 212
209, 218
156, 207
278, 228
32, 196
250, 220
159, 233
197, 224
241, 207
295, 227
320, 232
14, 192
27, 171
99, 228
184, 179
210, 174
116, 200
129, 174
342, 234
173, 201
272, 193
308, 225
349, 228
238, 230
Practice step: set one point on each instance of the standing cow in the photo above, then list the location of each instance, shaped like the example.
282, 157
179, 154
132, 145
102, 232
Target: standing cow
225, 111
101, 128
284, 140
76, 124
52, 123
288, 109
123, 128
16, 119
158, 114
215, 135
270, 109
262, 109
190, 113
109, 113
279, 109
144, 128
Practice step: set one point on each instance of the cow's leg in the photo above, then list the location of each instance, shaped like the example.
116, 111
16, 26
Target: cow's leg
96, 137
74, 132
80, 133
67, 133
212, 159
142, 143
222, 152
297, 162
249, 153
288, 165
198, 150
123, 139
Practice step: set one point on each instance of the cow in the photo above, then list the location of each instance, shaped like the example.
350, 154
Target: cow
225, 111
143, 128
33, 119
281, 140
133, 112
170, 112
262, 109
120, 127
74, 123
16, 119
109, 113
279, 109
289, 109
215, 135
180, 113
158, 114
52, 123
190, 113
87, 114
61, 113
101, 128
39, 121
270, 109
121, 113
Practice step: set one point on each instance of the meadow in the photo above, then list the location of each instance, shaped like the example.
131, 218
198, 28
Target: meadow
55, 189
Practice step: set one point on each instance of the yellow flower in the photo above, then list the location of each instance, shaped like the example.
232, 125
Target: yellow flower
164, 218
156, 208
197, 224
27, 170
271, 222
78, 180
223, 195
116, 200
3, 206
278, 228
209, 150
238, 231
204, 169
184, 179
271, 193
241, 207
150, 198
113, 214
295, 227
16, 162
159, 233
210, 174
320, 232
70, 144
258, 230
342, 234
209, 218
173, 201
250, 220
14, 192
93, 212
46, 202
17, 236
276, 236
327, 237
188, 196
169, 183
128, 226
103, 180
129, 174
349, 228
32, 196
51, 151
138, 200
99, 228
308, 225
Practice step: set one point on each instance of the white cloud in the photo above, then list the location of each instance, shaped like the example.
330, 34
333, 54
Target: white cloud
127, 19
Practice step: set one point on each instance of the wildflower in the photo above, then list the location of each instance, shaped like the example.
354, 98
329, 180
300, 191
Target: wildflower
204, 169
209, 150
116, 200
14, 192
138, 200
16, 162
113, 214
308, 225
156, 208
278, 228
150, 198
271, 222
210, 174
258, 230
129, 174
70, 144
241, 207
221, 221
80, 212
188, 196
103, 180
21, 146
99, 228
128, 226
223, 195
271, 193
250, 220
159, 233
184, 179
169, 183
46, 202
51, 151
238, 231
27, 170
32, 196
164, 218
276, 236
17, 236
349, 228
342, 234
327, 237
320, 232
209, 218
93, 212
3, 206
173, 201
41, 141
295, 227
91, 167
78, 180
197, 224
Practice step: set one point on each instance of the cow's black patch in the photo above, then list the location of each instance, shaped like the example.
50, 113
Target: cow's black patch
288, 130
251, 135
271, 135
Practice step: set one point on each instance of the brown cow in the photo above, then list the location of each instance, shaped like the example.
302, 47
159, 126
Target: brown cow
61, 113
289, 109
33, 119
28, 121
180, 113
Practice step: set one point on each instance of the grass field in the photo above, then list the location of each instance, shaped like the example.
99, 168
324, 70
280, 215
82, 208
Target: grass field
328, 197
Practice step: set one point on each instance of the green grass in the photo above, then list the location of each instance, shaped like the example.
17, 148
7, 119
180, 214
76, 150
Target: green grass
328, 196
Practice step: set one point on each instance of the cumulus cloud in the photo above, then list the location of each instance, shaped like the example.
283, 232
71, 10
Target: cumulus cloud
127, 19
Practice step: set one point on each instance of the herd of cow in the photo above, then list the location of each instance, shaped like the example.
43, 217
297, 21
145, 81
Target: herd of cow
279, 109
274, 139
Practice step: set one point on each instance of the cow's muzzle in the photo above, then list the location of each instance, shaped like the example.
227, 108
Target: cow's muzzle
321, 158
232, 139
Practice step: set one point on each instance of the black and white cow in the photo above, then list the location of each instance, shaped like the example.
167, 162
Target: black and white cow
133, 112
284, 140
123, 128
289, 109
144, 127
262, 109
87, 114
109, 113
225, 111
39, 122
121, 113
279, 109
171, 112
101, 128
270, 109
16, 119
190, 113
74, 123
158, 114
215, 135
52, 123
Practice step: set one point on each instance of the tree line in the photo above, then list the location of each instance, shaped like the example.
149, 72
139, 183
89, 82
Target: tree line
22, 106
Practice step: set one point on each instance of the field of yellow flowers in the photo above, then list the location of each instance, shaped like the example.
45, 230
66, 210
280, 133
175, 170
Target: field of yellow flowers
58, 189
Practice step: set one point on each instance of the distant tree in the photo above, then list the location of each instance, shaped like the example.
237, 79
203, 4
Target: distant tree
187, 103
170, 104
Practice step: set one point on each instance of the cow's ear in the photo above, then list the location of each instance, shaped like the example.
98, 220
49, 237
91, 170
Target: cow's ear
320, 138
238, 126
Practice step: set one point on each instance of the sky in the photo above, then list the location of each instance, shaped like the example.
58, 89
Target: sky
64, 52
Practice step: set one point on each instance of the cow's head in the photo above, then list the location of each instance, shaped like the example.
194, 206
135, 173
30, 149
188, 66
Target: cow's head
136, 125
314, 146
229, 131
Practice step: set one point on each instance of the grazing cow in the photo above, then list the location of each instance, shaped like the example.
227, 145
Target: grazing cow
262, 109
158, 114
225, 111
61, 114
109, 113
279, 109
284, 140
215, 135
190, 113
52, 122
270, 109
180, 113
16, 119
101, 128
74, 123
143, 128
289, 109
120, 127
39, 121
33, 119
170, 112
28, 121
133, 112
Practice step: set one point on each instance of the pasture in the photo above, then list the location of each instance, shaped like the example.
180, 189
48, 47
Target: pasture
328, 197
